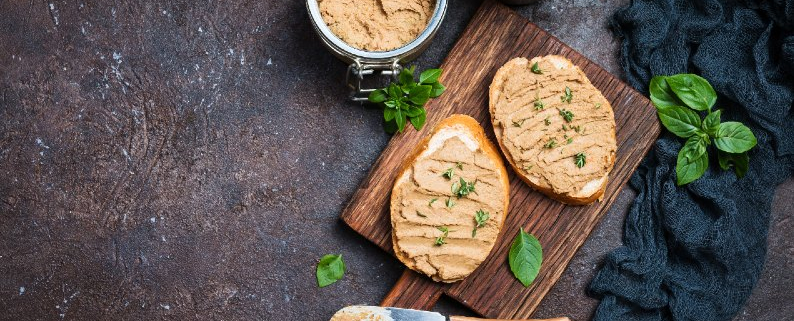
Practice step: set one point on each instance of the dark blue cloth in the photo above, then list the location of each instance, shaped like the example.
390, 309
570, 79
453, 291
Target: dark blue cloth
696, 252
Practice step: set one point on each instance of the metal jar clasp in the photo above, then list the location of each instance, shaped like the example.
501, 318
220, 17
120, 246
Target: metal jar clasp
356, 72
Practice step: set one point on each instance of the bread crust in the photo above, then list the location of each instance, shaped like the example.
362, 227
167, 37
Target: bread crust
493, 93
475, 129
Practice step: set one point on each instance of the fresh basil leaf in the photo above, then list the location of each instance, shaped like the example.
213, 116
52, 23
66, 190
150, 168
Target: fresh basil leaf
419, 121
399, 119
740, 162
330, 269
420, 94
429, 76
391, 104
438, 89
661, 94
413, 111
680, 121
734, 137
394, 91
693, 90
407, 88
712, 123
388, 114
525, 258
377, 96
694, 148
686, 171
407, 76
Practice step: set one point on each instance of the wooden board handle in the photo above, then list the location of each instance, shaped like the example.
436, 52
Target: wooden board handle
455, 318
413, 291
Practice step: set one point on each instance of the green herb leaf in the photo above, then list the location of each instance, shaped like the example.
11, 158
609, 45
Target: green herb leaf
539, 104
734, 137
740, 162
459, 165
438, 89
462, 188
450, 203
377, 96
525, 258
566, 114
448, 173
680, 121
420, 94
580, 159
547, 121
479, 221
441, 239
568, 95
418, 213
399, 119
429, 76
551, 143
694, 148
407, 76
389, 114
394, 91
419, 120
661, 94
536, 69
330, 269
712, 123
686, 171
518, 123
693, 90
432, 201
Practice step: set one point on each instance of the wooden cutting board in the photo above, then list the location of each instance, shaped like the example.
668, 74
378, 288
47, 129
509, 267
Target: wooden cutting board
495, 35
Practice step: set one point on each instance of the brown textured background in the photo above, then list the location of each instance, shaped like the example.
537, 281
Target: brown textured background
189, 160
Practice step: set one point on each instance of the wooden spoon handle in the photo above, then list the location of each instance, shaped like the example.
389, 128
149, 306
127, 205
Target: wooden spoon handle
413, 291
456, 318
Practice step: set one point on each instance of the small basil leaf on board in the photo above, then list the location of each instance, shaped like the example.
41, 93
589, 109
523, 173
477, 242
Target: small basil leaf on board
740, 162
438, 89
377, 96
686, 171
429, 76
680, 121
734, 137
330, 269
712, 123
525, 258
693, 90
419, 120
420, 94
694, 147
661, 94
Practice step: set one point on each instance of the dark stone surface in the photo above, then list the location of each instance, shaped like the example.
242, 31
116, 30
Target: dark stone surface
190, 160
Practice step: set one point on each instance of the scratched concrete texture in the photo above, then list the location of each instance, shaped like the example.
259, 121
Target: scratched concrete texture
189, 160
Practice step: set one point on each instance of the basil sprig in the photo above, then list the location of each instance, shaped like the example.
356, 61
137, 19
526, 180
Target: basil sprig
404, 101
525, 258
679, 99
330, 269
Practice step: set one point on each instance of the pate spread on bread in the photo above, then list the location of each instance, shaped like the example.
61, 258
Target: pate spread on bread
449, 201
555, 128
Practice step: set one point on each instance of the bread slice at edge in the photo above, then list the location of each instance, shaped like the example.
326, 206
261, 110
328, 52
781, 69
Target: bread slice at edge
454, 122
594, 190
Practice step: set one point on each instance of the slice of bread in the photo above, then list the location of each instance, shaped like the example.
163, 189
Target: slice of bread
562, 143
433, 211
